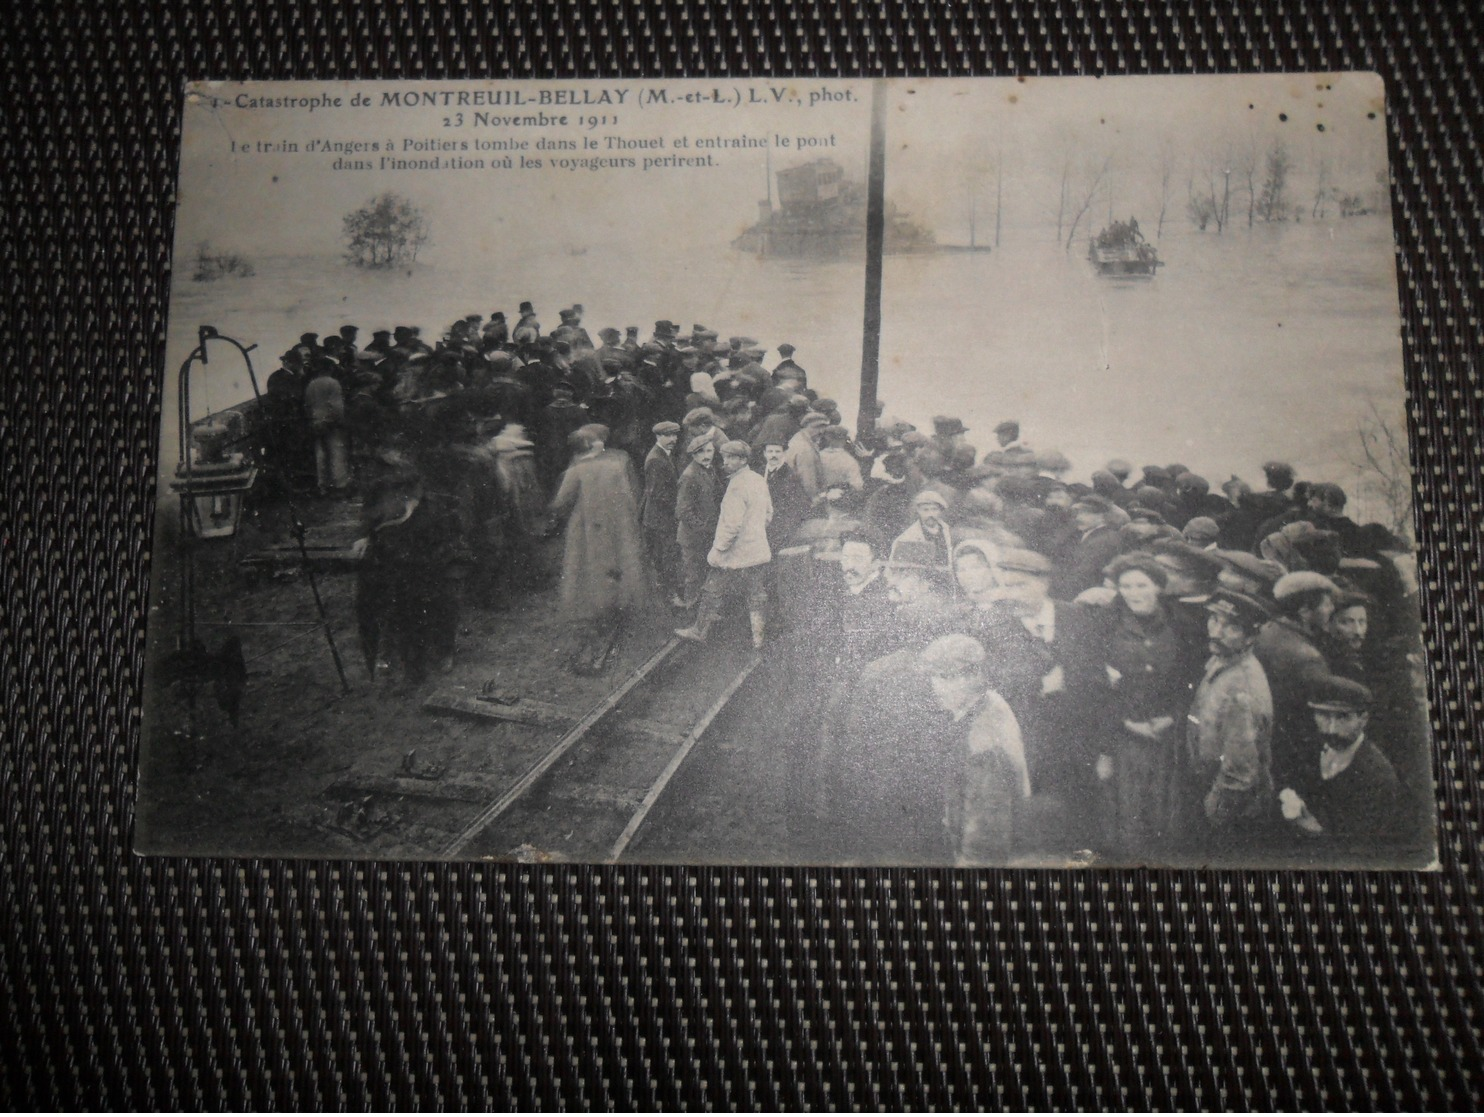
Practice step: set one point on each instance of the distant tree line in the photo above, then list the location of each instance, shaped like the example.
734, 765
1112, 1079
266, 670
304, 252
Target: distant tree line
212, 265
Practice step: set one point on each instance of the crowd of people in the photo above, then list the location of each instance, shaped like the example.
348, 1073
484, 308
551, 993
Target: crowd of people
982, 660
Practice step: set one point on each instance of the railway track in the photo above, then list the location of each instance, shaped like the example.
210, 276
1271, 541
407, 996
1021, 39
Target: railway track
593, 791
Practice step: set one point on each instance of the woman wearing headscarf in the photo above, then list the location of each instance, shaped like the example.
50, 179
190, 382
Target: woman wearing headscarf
1147, 668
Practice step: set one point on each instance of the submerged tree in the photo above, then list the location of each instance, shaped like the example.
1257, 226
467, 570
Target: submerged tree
1271, 203
1385, 467
386, 232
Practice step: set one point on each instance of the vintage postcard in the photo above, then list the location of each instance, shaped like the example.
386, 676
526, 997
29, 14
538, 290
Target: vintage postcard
936, 473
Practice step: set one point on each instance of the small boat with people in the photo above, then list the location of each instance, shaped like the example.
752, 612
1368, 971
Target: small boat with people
1120, 252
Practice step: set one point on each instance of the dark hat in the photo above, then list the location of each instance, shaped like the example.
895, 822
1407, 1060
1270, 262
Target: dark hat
665, 326
608, 333
567, 315
309, 338
1143, 562
1007, 426
527, 308
381, 333
699, 443
1025, 561
577, 309
786, 350
947, 425
1340, 695
1246, 611
497, 316
665, 427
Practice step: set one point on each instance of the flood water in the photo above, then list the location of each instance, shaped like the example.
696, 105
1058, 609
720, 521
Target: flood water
1257, 344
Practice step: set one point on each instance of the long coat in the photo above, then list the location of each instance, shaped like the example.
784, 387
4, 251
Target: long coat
603, 566
660, 481
697, 504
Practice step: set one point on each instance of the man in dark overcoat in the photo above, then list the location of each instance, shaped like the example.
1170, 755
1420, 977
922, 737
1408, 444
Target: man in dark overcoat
657, 509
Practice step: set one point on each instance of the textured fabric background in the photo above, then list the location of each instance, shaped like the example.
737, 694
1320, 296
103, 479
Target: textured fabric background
202, 984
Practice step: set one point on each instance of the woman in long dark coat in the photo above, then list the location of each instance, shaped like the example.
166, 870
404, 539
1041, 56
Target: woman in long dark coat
1147, 669
605, 581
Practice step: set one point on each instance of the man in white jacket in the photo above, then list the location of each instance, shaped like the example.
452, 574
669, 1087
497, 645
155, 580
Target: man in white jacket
740, 554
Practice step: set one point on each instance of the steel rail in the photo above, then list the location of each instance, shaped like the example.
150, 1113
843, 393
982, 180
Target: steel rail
651, 797
482, 821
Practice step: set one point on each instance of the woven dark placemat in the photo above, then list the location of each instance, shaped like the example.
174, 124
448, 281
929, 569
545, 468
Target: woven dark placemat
153, 983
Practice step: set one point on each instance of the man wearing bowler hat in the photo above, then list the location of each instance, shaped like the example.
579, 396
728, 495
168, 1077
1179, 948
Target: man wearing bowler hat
1225, 797
788, 368
527, 331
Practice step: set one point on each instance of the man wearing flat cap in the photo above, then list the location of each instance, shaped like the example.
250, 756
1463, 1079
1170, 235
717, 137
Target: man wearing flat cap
1225, 799
1289, 651
739, 554
1046, 659
657, 508
930, 528
1348, 790
1095, 548
697, 505
802, 454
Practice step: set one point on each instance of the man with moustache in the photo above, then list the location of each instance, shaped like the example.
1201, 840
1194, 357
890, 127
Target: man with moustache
1225, 797
1347, 792
790, 504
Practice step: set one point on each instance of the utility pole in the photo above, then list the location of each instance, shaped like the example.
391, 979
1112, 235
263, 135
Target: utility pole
875, 248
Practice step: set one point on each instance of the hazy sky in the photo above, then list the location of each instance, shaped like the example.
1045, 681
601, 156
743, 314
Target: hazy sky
946, 137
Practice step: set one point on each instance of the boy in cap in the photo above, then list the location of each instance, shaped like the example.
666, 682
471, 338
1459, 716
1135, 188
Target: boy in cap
1226, 796
739, 553
697, 505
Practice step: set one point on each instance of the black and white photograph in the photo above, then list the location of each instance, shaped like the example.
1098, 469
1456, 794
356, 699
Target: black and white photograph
954, 472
